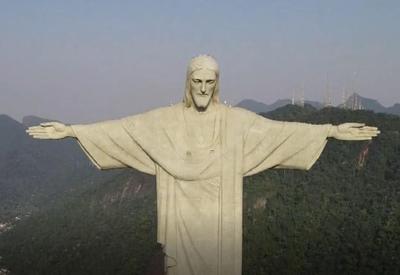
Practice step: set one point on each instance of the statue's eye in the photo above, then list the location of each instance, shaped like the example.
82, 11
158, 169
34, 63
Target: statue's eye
196, 80
210, 81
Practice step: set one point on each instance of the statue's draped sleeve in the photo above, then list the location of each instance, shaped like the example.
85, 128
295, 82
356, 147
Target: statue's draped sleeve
109, 145
278, 144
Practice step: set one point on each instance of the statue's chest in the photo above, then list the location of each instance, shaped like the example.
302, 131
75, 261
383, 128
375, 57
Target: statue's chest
202, 132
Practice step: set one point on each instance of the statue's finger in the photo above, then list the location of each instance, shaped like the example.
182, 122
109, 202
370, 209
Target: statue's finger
368, 135
369, 131
357, 125
35, 133
361, 132
361, 138
372, 134
35, 127
47, 124
370, 128
38, 136
42, 130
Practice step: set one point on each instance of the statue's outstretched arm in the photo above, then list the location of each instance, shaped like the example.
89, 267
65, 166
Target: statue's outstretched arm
294, 145
51, 130
353, 131
107, 144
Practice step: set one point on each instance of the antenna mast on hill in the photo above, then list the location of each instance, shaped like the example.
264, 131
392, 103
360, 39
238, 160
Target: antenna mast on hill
328, 97
293, 93
301, 101
298, 99
353, 106
356, 102
344, 98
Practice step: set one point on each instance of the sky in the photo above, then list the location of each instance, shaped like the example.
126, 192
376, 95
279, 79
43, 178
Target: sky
85, 61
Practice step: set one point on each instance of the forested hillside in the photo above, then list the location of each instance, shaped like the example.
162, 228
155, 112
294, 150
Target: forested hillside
33, 172
341, 217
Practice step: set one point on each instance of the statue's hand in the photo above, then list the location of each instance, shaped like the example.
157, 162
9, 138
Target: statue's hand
353, 131
50, 130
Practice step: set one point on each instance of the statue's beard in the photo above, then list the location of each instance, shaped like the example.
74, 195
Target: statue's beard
201, 109
201, 102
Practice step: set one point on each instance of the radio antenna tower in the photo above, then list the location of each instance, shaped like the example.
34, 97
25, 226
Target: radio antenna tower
328, 97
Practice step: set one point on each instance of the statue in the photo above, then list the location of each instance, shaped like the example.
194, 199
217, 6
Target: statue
200, 150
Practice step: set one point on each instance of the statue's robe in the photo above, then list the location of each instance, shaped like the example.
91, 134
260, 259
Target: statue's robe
199, 188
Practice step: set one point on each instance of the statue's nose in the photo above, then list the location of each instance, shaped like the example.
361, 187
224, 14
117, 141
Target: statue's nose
203, 87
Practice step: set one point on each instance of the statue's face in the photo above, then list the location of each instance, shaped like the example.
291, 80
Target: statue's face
202, 86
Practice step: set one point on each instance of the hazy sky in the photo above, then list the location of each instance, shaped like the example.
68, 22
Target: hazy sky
82, 61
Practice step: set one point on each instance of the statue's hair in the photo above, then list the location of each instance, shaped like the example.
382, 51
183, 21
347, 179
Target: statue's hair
197, 63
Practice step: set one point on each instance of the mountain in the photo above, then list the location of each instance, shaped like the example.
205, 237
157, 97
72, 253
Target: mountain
51, 196
354, 102
259, 107
291, 112
341, 217
395, 109
10, 130
253, 105
103, 226
34, 171
44, 185
344, 210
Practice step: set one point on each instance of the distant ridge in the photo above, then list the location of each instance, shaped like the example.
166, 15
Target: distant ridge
33, 171
253, 105
395, 109
10, 134
259, 107
354, 101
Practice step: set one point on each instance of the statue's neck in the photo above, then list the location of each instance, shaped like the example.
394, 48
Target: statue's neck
201, 127
211, 108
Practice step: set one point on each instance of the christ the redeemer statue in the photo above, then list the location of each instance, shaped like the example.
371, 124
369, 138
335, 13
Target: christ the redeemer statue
200, 150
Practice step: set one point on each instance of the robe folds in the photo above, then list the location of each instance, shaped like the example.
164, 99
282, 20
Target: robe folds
199, 188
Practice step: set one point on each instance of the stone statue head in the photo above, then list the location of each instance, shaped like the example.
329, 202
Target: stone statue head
202, 82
